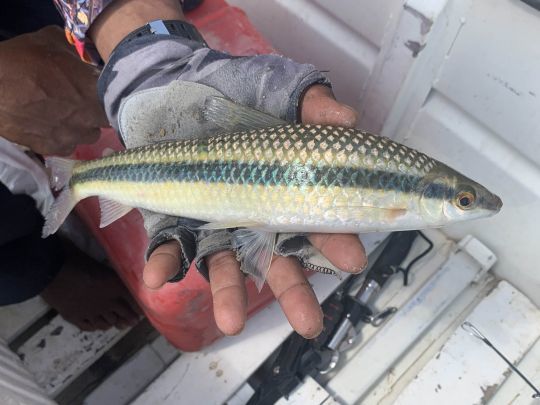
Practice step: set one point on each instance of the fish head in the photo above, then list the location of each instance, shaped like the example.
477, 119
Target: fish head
448, 196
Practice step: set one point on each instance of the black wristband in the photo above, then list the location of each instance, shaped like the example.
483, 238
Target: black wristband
174, 28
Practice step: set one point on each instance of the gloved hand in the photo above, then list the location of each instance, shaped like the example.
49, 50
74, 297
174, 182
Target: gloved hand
153, 88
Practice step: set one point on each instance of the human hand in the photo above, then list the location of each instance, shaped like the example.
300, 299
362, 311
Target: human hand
161, 100
49, 99
285, 278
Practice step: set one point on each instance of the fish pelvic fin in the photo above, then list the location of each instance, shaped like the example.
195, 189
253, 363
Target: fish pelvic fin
111, 211
254, 250
61, 171
57, 214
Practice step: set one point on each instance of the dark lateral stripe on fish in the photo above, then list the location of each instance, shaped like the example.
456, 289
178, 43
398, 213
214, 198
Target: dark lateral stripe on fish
231, 172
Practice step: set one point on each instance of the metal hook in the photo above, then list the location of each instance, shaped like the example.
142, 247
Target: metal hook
471, 329
332, 363
378, 319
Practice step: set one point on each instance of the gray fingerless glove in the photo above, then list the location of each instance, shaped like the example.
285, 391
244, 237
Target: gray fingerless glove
153, 89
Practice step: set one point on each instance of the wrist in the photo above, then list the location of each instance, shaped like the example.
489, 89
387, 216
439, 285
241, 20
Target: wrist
122, 17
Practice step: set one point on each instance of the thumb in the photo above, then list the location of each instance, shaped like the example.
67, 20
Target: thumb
318, 106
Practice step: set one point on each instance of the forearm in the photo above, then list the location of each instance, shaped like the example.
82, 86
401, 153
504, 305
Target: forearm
124, 16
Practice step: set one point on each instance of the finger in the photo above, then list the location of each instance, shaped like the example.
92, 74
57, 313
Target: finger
111, 318
93, 115
162, 265
62, 140
86, 134
84, 325
125, 313
90, 135
318, 106
345, 251
293, 292
100, 323
99, 118
228, 292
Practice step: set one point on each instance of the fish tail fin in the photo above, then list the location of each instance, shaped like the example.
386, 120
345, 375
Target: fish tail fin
61, 171
57, 214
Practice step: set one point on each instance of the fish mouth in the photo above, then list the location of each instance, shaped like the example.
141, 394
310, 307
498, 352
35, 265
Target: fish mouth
494, 203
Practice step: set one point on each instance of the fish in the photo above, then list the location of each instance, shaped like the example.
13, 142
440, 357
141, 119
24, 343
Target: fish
265, 176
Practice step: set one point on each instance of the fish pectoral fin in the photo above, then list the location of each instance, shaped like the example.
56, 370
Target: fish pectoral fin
254, 250
232, 116
231, 224
111, 211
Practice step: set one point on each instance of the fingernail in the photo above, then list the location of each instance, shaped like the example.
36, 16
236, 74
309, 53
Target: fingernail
359, 269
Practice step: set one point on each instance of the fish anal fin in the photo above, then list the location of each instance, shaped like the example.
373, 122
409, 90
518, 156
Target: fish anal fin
230, 224
111, 211
254, 250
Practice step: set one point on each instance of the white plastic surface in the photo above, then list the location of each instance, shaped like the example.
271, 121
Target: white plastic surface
310, 392
473, 102
515, 391
15, 318
466, 370
17, 386
409, 325
129, 380
59, 352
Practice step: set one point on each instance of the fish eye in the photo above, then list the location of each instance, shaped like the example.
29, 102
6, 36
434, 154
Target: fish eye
465, 199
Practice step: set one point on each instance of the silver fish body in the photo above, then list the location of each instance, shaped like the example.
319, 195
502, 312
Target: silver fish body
301, 178
283, 178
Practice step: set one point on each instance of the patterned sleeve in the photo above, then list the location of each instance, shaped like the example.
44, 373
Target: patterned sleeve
78, 15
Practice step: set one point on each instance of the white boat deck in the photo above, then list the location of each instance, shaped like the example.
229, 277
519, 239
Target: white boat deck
421, 350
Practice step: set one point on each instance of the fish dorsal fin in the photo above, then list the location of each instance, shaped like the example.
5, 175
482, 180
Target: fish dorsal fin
232, 116
230, 224
254, 250
111, 211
